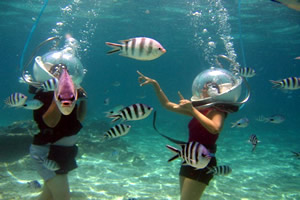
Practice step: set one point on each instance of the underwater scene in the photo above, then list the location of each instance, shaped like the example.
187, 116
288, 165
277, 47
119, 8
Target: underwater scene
122, 153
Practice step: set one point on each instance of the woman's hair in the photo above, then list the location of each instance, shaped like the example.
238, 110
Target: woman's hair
211, 84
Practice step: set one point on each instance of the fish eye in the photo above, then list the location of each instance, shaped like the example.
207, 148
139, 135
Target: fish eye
159, 48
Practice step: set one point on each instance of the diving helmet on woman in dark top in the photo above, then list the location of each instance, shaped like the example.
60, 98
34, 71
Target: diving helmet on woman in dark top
43, 66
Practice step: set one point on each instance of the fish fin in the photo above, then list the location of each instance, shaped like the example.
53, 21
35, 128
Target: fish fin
173, 158
184, 163
115, 117
276, 1
116, 47
125, 41
173, 149
276, 84
233, 125
210, 170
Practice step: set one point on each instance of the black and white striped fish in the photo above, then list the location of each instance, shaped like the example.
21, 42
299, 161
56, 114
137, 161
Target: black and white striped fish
117, 131
222, 170
140, 48
51, 164
246, 72
291, 83
193, 154
254, 141
133, 112
50, 85
16, 100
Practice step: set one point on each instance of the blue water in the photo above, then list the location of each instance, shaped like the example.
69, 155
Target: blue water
134, 166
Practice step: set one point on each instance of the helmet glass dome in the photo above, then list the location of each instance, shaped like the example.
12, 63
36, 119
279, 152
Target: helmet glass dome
42, 66
216, 85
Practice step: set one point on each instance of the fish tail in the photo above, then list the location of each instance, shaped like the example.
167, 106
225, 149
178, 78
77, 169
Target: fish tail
253, 148
116, 47
173, 149
276, 84
210, 170
173, 158
115, 117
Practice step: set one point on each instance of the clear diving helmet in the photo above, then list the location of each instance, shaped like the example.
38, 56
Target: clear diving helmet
220, 88
44, 66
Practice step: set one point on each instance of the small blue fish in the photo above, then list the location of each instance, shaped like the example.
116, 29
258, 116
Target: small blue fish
33, 104
254, 141
34, 184
241, 123
274, 119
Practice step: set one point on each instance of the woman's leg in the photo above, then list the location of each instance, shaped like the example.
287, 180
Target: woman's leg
46, 194
191, 189
59, 187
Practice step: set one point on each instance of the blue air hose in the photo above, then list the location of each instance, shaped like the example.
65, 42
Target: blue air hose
30, 35
241, 40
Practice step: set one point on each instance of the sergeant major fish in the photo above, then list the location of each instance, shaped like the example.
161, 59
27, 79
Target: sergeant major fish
254, 141
133, 112
140, 48
291, 83
66, 93
223, 170
16, 100
193, 154
50, 85
246, 72
117, 131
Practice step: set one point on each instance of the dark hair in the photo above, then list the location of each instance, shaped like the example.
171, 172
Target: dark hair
211, 84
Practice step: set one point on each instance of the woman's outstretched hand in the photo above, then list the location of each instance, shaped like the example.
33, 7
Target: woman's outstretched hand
144, 80
184, 103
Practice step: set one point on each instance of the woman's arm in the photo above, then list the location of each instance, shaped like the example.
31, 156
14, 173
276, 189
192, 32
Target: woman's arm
213, 122
52, 116
163, 99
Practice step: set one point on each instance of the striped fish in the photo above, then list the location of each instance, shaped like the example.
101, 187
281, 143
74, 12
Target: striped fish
246, 72
254, 141
133, 112
51, 164
222, 170
117, 131
291, 83
50, 85
193, 154
140, 48
16, 100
